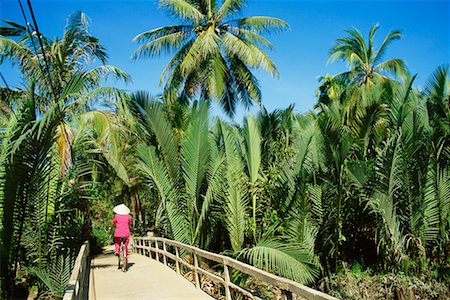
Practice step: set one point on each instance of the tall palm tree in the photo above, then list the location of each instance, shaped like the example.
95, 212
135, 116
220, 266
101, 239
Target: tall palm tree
214, 51
364, 60
53, 65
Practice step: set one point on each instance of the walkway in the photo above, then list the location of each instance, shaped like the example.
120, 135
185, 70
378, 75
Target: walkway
145, 279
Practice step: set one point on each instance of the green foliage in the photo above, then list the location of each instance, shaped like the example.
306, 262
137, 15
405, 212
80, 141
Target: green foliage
287, 260
364, 60
214, 51
42, 184
54, 279
364, 179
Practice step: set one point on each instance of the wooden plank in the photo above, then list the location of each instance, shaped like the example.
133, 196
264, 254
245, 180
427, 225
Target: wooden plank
171, 256
80, 271
186, 264
214, 277
244, 291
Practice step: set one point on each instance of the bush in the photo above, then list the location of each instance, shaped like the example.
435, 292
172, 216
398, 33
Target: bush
102, 235
357, 284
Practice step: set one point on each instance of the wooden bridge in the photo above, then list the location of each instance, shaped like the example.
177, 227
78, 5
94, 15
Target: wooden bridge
165, 269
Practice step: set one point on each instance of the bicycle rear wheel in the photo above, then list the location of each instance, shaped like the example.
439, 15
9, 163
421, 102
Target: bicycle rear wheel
123, 256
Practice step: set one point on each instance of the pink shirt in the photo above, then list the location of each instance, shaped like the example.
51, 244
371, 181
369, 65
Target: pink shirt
122, 223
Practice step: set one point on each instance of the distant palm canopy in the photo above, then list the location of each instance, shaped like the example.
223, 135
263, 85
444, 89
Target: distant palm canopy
214, 51
364, 60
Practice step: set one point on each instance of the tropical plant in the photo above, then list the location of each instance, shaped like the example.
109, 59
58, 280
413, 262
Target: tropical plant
364, 60
37, 162
54, 64
27, 177
214, 51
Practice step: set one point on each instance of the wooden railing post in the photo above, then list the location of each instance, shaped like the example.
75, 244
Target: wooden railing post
164, 254
177, 260
157, 248
196, 276
227, 281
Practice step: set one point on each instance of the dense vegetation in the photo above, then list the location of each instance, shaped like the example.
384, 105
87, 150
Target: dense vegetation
363, 179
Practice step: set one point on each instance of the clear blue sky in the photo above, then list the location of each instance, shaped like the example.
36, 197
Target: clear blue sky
300, 54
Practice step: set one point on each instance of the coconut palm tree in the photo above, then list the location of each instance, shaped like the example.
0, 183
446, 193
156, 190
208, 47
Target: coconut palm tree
364, 60
214, 51
53, 65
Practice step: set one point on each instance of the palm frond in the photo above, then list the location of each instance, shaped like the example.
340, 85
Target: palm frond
16, 30
393, 66
105, 72
195, 156
235, 193
249, 53
214, 192
249, 36
252, 138
436, 205
156, 171
165, 44
287, 260
230, 7
392, 36
185, 10
159, 125
106, 136
262, 24
56, 278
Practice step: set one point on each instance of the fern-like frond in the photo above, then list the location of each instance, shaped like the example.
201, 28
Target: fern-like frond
287, 260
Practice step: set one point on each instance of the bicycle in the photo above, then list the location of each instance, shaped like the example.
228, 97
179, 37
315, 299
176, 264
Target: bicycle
123, 255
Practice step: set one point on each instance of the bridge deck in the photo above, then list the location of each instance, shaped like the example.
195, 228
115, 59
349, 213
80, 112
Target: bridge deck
145, 279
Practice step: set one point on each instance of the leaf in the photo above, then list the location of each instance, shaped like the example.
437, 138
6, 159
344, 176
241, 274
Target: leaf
287, 260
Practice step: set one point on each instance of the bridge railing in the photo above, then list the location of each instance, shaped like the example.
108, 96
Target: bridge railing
79, 280
159, 247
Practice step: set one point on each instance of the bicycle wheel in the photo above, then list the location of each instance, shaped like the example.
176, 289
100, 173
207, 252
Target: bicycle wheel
123, 256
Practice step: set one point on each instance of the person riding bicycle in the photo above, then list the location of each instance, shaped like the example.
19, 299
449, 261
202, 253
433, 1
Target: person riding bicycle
122, 222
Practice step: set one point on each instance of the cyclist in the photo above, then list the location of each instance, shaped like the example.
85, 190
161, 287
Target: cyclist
122, 221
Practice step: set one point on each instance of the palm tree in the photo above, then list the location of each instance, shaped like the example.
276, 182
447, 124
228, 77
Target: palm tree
53, 65
28, 196
213, 52
364, 60
39, 142
438, 106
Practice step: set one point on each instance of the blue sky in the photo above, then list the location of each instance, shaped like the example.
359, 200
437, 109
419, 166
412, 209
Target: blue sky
300, 54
